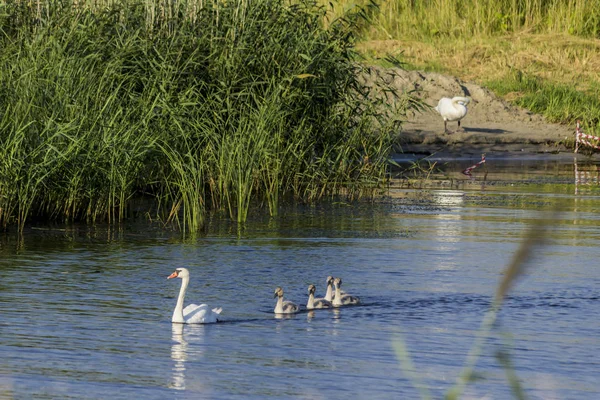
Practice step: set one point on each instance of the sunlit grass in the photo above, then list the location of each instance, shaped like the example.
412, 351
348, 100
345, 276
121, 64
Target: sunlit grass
557, 102
556, 57
399, 19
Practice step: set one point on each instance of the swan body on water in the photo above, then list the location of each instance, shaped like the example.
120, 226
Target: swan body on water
284, 307
193, 313
452, 109
342, 299
316, 303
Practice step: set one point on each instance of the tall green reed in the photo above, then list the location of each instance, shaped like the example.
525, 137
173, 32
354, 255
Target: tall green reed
204, 106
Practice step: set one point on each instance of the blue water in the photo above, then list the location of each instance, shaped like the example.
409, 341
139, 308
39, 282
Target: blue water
85, 313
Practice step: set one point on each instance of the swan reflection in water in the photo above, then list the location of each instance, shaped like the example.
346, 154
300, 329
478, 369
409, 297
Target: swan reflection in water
181, 351
179, 356
284, 316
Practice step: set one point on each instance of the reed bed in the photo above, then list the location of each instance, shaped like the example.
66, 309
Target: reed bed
206, 106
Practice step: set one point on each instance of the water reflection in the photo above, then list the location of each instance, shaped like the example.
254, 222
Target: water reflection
179, 356
6, 387
449, 229
337, 314
431, 284
586, 175
185, 347
454, 198
284, 316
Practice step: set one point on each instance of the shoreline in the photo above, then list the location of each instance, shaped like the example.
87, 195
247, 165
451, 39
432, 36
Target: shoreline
492, 125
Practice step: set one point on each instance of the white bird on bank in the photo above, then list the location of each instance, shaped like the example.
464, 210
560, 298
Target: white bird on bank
316, 303
342, 299
453, 109
192, 314
284, 307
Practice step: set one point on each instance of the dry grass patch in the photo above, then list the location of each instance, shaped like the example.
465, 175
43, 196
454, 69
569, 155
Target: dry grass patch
559, 58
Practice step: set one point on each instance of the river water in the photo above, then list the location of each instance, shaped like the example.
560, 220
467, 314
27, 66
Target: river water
85, 312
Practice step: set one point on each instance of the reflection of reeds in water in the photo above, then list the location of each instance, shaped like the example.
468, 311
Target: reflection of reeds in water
532, 241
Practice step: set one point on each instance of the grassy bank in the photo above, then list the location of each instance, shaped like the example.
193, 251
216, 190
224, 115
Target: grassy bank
555, 75
542, 55
209, 105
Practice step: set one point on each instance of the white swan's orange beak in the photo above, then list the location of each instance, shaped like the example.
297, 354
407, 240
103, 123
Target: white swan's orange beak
173, 275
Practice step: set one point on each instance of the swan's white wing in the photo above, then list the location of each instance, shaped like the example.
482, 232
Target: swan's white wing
190, 308
443, 104
451, 109
200, 314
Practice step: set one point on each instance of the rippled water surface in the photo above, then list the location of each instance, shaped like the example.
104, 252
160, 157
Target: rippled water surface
85, 314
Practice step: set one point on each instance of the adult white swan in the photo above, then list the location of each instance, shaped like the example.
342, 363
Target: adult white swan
192, 314
453, 109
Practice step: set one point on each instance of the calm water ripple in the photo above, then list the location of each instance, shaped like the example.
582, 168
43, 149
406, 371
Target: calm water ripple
86, 314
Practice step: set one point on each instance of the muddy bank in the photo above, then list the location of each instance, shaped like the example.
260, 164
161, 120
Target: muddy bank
491, 125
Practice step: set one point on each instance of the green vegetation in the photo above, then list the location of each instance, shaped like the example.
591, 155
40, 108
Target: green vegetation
558, 102
214, 105
461, 19
225, 105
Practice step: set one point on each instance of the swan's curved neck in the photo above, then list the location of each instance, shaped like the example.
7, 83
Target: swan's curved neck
279, 306
338, 296
178, 312
329, 293
311, 301
458, 100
